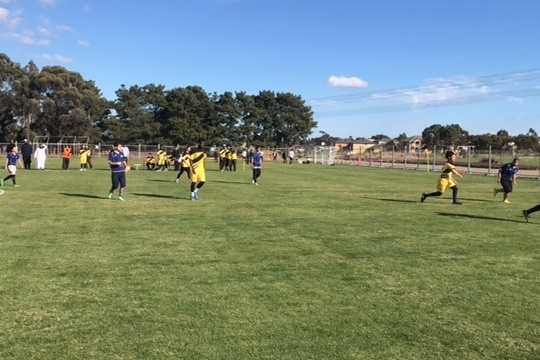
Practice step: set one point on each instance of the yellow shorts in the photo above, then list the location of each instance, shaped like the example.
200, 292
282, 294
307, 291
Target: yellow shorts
199, 176
444, 184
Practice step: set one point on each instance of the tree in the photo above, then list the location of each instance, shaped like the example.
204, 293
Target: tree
431, 136
138, 110
70, 106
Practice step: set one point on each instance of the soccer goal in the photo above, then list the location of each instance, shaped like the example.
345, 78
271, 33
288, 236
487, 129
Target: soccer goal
324, 155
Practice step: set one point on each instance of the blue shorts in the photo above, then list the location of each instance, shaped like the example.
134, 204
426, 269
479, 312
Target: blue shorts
118, 178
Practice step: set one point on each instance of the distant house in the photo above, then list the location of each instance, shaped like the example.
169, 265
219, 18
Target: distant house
413, 143
350, 146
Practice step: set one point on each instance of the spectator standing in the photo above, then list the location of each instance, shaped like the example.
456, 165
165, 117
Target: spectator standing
67, 153
291, 156
89, 157
27, 152
41, 155
125, 151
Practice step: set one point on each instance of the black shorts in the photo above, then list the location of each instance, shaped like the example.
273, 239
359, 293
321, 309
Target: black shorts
507, 186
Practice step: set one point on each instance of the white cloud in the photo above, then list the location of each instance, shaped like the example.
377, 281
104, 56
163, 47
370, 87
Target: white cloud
57, 58
4, 14
26, 38
83, 43
10, 19
342, 81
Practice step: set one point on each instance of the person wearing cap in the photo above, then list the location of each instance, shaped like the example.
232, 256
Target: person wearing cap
26, 152
446, 180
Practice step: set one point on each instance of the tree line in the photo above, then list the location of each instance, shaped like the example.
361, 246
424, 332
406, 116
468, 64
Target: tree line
448, 137
55, 102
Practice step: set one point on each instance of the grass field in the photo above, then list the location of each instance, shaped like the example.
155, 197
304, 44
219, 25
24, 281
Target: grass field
317, 262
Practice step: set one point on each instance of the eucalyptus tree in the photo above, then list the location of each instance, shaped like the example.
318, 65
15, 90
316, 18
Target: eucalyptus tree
295, 122
10, 73
69, 105
228, 112
138, 111
187, 116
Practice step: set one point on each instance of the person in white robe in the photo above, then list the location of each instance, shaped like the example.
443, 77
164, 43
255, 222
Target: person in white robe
40, 155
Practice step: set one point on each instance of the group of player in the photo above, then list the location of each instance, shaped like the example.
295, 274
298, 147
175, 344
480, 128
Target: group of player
506, 176
192, 162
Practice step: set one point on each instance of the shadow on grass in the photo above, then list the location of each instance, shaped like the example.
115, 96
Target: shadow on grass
248, 181
86, 196
157, 196
480, 217
161, 180
478, 200
392, 200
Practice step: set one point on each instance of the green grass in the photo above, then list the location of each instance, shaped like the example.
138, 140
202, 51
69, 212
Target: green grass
318, 262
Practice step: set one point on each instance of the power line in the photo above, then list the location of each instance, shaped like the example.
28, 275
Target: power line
464, 100
444, 87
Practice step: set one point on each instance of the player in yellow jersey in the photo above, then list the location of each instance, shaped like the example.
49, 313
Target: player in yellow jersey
184, 164
198, 172
446, 180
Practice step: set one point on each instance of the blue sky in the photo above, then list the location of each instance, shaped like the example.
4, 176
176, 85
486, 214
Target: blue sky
365, 67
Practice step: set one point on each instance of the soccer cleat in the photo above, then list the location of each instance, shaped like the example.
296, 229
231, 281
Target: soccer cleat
16, 185
253, 181
177, 181
423, 197
196, 196
256, 183
506, 202
526, 215
193, 198
121, 198
110, 195
495, 191
457, 203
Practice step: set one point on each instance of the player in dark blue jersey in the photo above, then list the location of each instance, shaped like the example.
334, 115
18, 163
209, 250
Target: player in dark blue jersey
507, 178
118, 164
256, 161
11, 166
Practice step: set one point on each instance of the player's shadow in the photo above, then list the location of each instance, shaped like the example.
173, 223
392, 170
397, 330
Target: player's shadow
478, 217
162, 180
231, 182
156, 196
85, 196
477, 200
391, 200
